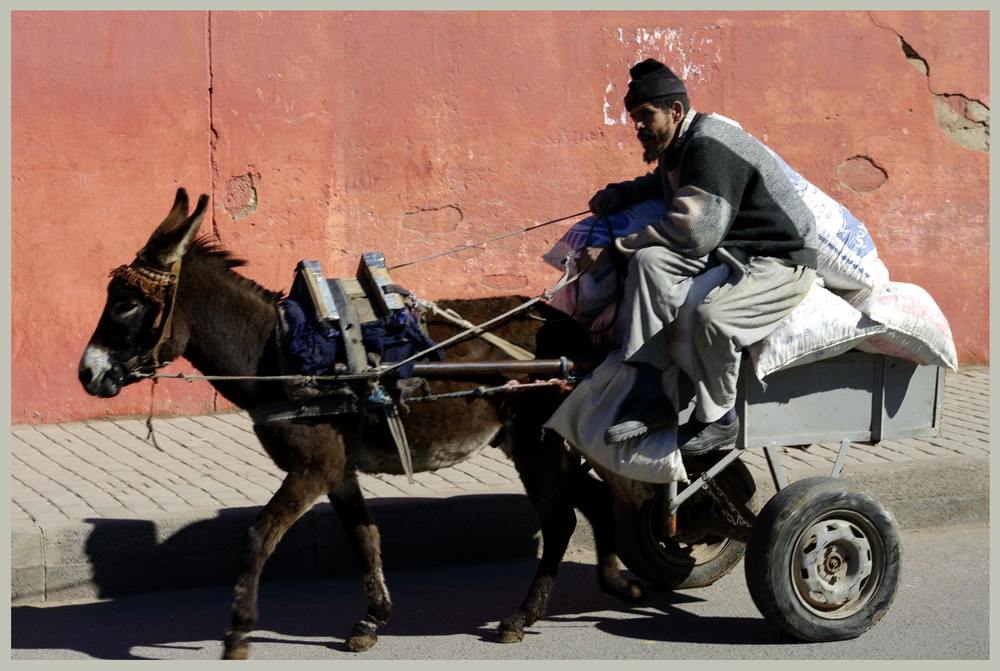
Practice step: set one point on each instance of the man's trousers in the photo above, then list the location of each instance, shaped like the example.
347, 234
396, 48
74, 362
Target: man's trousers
760, 293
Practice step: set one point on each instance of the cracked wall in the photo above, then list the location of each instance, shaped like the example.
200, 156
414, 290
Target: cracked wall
964, 120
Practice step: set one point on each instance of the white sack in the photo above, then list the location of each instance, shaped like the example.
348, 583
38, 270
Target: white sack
821, 326
915, 327
592, 231
847, 256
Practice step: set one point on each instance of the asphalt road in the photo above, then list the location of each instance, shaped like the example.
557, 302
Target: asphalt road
941, 612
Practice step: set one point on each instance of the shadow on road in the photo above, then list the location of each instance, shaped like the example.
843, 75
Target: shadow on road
129, 556
440, 602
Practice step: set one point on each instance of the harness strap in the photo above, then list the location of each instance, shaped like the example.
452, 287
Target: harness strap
159, 286
395, 423
516, 351
282, 411
510, 348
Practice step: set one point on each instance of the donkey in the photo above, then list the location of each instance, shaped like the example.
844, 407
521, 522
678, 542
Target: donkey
181, 297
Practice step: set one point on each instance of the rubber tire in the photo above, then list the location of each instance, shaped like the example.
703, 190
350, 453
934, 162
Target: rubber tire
669, 563
830, 506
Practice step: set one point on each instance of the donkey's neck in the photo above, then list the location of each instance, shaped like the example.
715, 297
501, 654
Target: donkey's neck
227, 325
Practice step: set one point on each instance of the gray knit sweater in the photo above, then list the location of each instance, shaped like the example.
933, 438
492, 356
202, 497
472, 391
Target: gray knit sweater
722, 189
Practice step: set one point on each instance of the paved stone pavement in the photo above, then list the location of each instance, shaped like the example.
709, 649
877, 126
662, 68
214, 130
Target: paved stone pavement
97, 510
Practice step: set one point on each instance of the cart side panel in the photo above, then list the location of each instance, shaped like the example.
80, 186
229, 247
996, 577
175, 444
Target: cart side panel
856, 396
912, 398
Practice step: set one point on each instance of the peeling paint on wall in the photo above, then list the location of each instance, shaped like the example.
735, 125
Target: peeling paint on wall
964, 120
239, 198
862, 174
677, 48
913, 57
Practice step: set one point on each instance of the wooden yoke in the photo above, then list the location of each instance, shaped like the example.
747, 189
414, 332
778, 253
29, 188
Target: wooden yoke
347, 303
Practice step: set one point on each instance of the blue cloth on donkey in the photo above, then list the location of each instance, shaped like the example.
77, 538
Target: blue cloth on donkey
312, 347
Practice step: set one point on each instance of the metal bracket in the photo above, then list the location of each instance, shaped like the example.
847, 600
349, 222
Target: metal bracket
774, 464
838, 464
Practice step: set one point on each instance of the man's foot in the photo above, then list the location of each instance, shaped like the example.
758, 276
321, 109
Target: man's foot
712, 436
641, 416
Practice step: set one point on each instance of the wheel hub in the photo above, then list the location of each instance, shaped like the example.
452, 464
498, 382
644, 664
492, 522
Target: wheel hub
832, 566
833, 562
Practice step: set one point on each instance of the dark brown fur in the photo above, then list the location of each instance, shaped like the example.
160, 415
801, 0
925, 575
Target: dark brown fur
224, 325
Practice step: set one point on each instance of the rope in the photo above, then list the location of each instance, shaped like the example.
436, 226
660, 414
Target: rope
514, 350
151, 435
546, 294
259, 378
310, 378
459, 336
509, 386
513, 385
483, 242
472, 329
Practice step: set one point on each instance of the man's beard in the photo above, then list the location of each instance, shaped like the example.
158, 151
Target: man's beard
656, 144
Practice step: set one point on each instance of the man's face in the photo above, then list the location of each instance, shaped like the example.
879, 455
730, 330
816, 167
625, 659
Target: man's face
656, 129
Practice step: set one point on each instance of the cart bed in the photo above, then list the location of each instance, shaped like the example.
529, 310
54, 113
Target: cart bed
857, 397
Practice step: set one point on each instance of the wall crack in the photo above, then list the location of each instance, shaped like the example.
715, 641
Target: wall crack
963, 119
213, 137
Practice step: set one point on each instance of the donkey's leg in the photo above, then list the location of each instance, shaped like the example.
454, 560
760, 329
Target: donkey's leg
543, 469
594, 500
350, 506
296, 494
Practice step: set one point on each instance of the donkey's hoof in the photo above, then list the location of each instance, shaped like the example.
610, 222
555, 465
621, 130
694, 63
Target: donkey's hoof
235, 646
237, 652
360, 642
362, 637
629, 591
509, 635
632, 591
511, 630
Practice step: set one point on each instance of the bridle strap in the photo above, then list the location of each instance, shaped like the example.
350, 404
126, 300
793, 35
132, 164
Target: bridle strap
159, 286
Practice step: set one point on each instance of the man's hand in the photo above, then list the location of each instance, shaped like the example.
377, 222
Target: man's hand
606, 201
592, 259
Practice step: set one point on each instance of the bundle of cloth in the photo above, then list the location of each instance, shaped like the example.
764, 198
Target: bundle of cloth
853, 304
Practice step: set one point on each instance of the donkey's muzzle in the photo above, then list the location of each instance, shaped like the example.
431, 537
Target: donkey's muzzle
98, 375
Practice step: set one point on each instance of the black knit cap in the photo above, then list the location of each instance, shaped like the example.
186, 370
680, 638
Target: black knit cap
651, 79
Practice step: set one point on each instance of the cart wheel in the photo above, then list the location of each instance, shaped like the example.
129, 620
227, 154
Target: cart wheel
693, 557
823, 560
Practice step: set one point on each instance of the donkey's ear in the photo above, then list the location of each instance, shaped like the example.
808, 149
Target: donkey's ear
172, 238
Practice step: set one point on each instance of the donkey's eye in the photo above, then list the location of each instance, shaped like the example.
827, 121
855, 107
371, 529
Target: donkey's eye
126, 309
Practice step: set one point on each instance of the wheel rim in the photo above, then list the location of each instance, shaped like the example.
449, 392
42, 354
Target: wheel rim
694, 553
691, 546
837, 564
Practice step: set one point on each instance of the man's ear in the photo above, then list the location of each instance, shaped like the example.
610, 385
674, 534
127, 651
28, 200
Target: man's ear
677, 110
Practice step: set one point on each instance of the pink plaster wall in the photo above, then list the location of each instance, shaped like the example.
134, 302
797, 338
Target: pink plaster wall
325, 135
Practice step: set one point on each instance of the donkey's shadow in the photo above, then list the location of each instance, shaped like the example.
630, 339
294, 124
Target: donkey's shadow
137, 562
440, 602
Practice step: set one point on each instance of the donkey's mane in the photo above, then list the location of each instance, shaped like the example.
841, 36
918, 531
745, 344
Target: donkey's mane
207, 249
